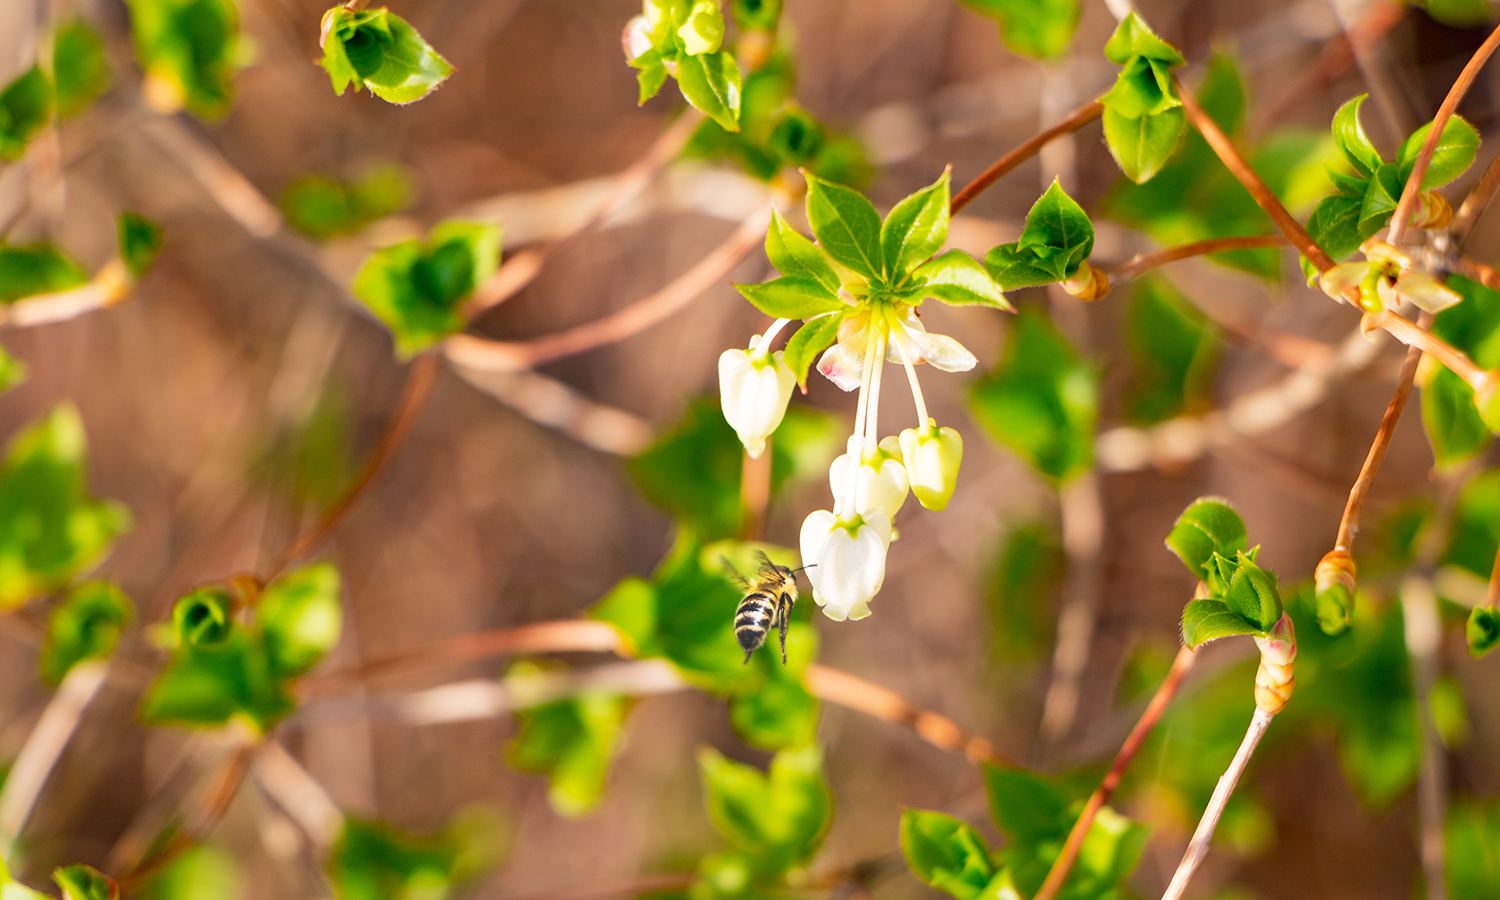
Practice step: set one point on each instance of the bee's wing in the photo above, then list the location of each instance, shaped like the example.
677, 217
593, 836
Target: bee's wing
764, 562
741, 581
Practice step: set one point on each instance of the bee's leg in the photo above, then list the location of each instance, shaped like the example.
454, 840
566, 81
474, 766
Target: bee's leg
786, 621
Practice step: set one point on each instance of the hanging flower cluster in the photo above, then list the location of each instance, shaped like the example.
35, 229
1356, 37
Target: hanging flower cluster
857, 290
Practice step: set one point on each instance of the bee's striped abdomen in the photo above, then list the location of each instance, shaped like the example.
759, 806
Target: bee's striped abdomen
753, 620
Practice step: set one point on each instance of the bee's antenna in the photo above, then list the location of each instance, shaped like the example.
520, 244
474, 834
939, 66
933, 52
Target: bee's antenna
800, 568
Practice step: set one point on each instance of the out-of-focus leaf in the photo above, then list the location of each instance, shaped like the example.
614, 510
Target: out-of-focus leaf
1471, 837
779, 816
946, 853
1027, 807
50, 530
26, 270
1450, 712
1482, 631
207, 686
324, 208
1458, 13
1174, 349
1042, 29
711, 82
301, 618
86, 625
417, 288
1454, 427
85, 883
200, 873
1030, 567
771, 707
11, 889
12, 371
1041, 400
1475, 529
203, 618
373, 861
25, 109
378, 50
572, 742
189, 50
79, 68
140, 242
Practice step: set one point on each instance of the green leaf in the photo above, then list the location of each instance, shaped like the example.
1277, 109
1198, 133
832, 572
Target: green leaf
1471, 837
373, 861
1253, 595
958, 279
1454, 429
85, 883
1207, 620
1349, 135
793, 254
1041, 29
140, 242
11, 889
324, 208
206, 686
1143, 88
25, 109
50, 530
1058, 222
1133, 37
792, 297
189, 50
417, 289
572, 742
915, 229
780, 816
1142, 146
79, 67
86, 625
630, 606
380, 51
1482, 631
846, 225
946, 853
1041, 400
31, 269
651, 79
1174, 350
1451, 158
1206, 527
201, 873
810, 340
771, 707
756, 15
1335, 226
1382, 193
203, 618
12, 371
711, 82
1020, 594
1475, 529
301, 617
1025, 806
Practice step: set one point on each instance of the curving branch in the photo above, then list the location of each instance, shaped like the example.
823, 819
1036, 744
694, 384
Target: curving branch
1075, 120
1144, 262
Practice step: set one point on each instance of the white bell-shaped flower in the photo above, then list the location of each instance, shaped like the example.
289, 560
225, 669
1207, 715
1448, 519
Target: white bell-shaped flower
636, 38
846, 559
754, 389
880, 483
844, 362
932, 457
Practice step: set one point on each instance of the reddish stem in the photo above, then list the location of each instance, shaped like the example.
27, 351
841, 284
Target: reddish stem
1075, 120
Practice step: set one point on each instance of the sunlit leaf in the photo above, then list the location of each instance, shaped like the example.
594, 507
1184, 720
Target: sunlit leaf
1038, 28
915, 229
1349, 135
377, 49
25, 109
794, 255
791, 297
85, 883
804, 346
30, 269
1206, 527
417, 288
324, 208
946, 853
85, 625
1471, 839
301, 618
201, 873
571, 741
1056, 240
79, 68
189, 50
846, 225
779, 816
711, 82
140, 241
1453, 154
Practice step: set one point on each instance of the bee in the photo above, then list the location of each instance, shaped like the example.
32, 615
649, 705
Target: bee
768, 604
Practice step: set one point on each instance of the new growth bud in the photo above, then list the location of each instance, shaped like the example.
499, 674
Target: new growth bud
1334, 591
1274, 679
704, 30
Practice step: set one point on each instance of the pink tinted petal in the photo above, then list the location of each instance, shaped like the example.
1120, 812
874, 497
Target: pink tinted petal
843, 365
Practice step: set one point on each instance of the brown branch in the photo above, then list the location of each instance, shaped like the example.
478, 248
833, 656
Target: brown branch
1477, 271
489, 355
414, 396
521, 268
1475, 204
1349, 523
1144, 262
1075, 120
1410, 334
1058, 874
1408, 201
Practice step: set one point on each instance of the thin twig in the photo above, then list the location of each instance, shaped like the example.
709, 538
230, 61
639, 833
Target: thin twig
1075, 120
45, 745
1408, 201
1349, 523
1081, 510
1477, 271
1144, 262
489, 355
414, 395
1412, 335
1058, 874
1198, 846
1475, 204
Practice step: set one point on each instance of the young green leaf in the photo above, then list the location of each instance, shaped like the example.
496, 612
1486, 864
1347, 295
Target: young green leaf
30, 269
1253, 595
1482, 630
374, 861
1335, 226
1021, 591
1041, 400
50, 529
780, 816
380, 51
140, 242
651, 79
804, 346
1133, 37
1173, 348
1349, 135
1055, 242
204, 872
1206, 527
1207, 620
1042, 29
79, 68
25, 109
846, 225
711, 82
756, 15
417, 289
324, 208
792, 297
1382, 192
301, 618
85, 883
793, 254
205, 686
86, 625
189, 50
1451, 157
778, 714
572, 742
915, 229
1025, 806
946, 853
958, 279
1454, 428
203, 618
1141, 146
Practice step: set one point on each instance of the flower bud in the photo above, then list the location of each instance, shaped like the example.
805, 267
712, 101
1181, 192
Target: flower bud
1333, 582
1433, 211
636, 38
704, 30
932, 456
880, 484
754, 390
846, 560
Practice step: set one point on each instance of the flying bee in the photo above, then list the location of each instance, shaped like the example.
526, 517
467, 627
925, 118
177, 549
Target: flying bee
767, 604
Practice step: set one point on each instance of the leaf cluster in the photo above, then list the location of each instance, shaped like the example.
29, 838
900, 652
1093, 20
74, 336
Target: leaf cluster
417, 288
1056, 241
77, 882
1042, 29
323, 208
378, 50
685, 39
189, 50
572, 741
1143, 116
85, 625
1035, 814
374, 861
227, 663
1210, 539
